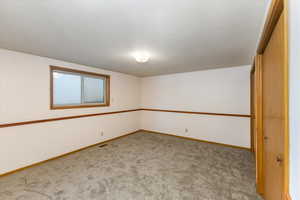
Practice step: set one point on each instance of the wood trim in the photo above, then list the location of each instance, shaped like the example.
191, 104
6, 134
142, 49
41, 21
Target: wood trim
51, 86
198, 140
52, 67
274, 13
259, 125
52, 107
60, 156
107, 85
286, 183
115, 112
253, 66
252, 108
64, 118
197, 113
108, 91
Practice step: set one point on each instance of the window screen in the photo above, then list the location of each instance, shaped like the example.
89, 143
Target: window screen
93, 89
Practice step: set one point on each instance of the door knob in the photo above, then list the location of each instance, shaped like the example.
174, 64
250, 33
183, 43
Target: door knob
266, 138
279, 159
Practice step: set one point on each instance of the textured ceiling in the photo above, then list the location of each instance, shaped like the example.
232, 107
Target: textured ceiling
180, 35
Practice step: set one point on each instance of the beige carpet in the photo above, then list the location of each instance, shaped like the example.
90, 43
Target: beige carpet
140, 166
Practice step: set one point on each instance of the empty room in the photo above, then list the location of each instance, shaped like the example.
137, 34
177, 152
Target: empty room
149, 100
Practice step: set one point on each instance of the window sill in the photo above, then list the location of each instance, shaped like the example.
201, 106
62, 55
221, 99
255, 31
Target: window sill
78, 106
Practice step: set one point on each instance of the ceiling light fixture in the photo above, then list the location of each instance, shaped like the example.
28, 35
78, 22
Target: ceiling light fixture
141, 57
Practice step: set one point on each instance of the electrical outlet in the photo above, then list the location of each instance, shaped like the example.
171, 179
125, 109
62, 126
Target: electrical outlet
186, 130
102, 133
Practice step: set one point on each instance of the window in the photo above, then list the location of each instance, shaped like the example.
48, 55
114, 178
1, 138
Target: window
76, 89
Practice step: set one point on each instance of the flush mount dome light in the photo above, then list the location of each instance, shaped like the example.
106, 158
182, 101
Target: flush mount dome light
141, 57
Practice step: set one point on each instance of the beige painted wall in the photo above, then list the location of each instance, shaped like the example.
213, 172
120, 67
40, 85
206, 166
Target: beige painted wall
25, 96
24, 86
217, 91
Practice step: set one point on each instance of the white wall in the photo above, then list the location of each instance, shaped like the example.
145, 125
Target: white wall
294, 50
25, 96
25, 88
224, 90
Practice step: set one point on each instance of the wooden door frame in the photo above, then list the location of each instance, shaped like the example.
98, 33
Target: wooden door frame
277, 8
257, 130
252, 109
